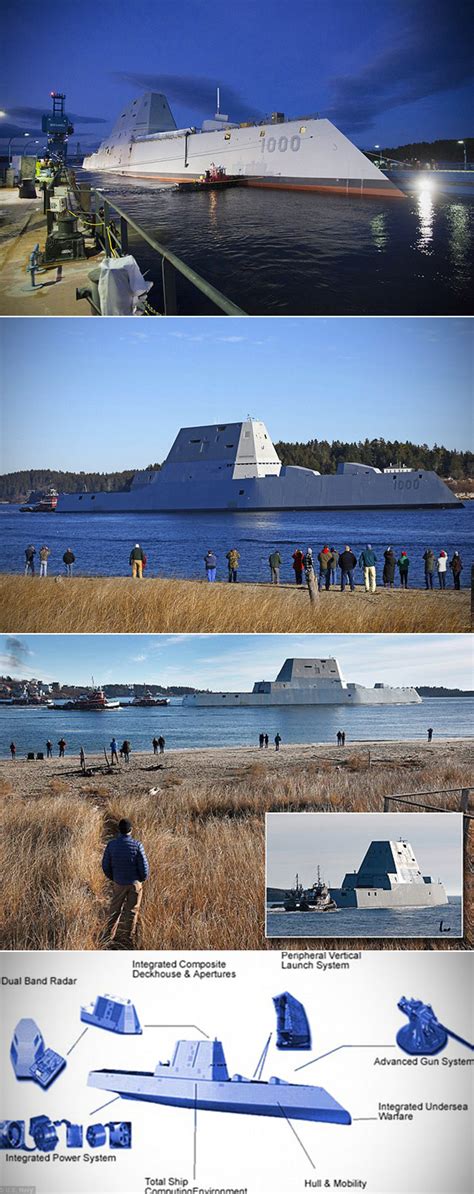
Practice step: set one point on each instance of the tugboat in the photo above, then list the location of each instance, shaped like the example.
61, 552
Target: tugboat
198, 1077
148, 701
215, 178
46, 504
312, 899
321, 900
296, 898
94, 701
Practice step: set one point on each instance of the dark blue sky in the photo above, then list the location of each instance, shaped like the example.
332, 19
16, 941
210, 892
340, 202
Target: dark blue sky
385, 72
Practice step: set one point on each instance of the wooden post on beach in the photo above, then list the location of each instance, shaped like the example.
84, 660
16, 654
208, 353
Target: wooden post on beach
312, 586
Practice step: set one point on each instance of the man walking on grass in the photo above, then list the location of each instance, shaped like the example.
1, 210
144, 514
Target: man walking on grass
125, 864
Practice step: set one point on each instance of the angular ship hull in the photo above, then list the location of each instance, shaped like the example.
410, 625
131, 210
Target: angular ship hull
197, 1077
306, 682
308, 154
234, 467
389, 877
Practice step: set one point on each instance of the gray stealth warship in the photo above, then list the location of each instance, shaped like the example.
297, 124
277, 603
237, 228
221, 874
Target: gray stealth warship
307, 682
234, 466
389, 877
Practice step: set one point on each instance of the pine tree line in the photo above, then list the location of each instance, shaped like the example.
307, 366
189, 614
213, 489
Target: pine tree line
322, 455
325, 456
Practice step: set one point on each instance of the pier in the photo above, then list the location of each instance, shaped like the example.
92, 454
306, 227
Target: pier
70, 286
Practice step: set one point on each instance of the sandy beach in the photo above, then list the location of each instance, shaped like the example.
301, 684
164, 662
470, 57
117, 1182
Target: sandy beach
201, 817
147, 771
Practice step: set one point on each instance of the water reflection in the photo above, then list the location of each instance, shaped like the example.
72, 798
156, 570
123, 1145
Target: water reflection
379, 231
426, 210
459, 242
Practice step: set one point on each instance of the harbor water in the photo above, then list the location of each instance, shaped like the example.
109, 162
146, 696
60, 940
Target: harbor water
175, 544
189, 727
357, 922
298, 253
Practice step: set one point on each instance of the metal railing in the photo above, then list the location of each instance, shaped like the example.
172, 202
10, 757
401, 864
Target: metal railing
408, 798
113, 234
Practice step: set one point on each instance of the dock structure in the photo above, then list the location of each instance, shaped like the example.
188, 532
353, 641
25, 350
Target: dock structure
24, 226
70, 285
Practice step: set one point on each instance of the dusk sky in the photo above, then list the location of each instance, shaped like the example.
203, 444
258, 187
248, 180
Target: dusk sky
235, 661
124, 387
385, 73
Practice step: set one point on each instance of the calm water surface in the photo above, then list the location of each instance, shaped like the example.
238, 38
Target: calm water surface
291, 253
175, 544
357, 922
185, 726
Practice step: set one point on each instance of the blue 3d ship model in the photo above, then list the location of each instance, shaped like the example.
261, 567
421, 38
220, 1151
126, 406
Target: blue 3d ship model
198, 1077
234, 466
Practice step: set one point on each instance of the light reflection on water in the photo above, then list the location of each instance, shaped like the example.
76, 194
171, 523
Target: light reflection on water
298, 253
379, 231
426, 210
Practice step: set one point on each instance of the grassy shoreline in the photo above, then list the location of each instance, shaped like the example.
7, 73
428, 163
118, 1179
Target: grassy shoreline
200, 814
120, 605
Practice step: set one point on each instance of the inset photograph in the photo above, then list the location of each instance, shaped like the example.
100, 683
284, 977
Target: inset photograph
340, 503
364, 874
136, 772
194, 174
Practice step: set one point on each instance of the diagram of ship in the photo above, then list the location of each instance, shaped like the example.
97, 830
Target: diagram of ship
198, 1077
307, 682
234, 466
306, 154
389, 877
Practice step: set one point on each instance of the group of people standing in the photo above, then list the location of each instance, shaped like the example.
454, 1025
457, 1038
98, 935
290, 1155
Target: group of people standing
327, 563
44, 554
433, 564
330, 560
263, 741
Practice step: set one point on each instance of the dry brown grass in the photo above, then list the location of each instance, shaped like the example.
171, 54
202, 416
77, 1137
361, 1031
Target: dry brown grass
120, 605
205, 843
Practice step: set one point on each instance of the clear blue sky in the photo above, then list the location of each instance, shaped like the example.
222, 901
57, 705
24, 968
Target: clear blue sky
386, 73
235, 661
108, 394
301, 841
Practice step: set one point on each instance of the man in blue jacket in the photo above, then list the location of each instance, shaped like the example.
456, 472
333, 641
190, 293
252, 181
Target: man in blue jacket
125, 864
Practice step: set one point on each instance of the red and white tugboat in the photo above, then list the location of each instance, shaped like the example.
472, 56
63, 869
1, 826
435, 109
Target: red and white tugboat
94, 701
46, 504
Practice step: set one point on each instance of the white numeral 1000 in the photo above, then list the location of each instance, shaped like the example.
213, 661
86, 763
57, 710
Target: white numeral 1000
271, 143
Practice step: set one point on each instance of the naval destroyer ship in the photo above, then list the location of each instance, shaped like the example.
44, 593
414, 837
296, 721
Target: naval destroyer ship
198, 1077
234, 466
389, 877
307, 154
307, 682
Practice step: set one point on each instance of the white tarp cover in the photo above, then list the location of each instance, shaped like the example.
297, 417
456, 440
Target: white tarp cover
121, 284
